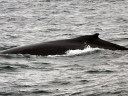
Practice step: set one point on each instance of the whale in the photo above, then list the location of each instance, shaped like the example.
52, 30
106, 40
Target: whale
60, 47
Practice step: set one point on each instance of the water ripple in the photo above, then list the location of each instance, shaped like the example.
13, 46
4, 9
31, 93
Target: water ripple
95, 72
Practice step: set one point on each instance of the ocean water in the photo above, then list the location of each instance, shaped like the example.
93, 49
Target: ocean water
88, 72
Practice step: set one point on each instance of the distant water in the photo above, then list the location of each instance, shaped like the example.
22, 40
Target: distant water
88, 72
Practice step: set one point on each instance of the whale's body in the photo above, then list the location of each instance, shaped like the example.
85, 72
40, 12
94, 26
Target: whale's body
59, 47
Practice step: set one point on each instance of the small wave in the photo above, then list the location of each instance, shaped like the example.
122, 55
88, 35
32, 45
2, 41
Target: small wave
99, 71
10, 56
77, 52
84, 81
41, 92
7, 68
76, 94
59, 82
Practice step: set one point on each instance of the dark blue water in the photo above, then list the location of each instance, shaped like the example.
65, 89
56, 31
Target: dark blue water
88, 72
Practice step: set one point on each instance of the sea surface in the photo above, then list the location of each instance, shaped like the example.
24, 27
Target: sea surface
88, 72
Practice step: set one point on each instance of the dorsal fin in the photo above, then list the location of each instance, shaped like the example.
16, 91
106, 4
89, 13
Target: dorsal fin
96, 35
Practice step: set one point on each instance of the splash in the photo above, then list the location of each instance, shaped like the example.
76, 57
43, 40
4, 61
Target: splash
77, 52
86, 50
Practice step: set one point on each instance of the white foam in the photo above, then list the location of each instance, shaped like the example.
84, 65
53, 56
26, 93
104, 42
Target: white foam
86, 50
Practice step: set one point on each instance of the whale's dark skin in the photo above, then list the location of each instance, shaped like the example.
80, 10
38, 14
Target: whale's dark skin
59, 47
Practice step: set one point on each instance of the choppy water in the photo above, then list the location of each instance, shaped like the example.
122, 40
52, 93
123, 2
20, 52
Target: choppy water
88, 72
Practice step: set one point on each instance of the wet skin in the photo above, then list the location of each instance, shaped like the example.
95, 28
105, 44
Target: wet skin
59, 47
